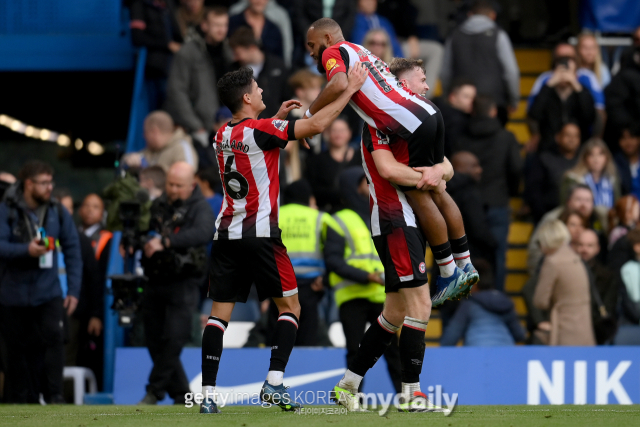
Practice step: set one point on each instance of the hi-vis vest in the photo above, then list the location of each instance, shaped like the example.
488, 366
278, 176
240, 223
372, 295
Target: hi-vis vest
304, 231
360, 253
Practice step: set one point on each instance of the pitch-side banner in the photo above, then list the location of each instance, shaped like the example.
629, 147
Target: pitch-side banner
480, 376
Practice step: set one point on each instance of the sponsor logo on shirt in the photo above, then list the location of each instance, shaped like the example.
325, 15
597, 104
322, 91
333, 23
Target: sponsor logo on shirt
331, 64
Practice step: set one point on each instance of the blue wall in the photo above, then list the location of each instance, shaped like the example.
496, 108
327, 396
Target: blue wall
64, 35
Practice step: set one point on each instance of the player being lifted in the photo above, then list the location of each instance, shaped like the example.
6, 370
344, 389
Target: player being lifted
247, 247
406, 125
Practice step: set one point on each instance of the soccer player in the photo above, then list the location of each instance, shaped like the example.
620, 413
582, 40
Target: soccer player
247, 247
416, 127
415, 123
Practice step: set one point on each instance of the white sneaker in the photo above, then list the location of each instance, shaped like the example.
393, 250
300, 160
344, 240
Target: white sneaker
350, 399
418, 403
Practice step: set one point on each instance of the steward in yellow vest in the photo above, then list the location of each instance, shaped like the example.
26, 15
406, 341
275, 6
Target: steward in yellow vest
304, 233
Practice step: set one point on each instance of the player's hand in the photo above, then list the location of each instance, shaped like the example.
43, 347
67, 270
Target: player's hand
305, 143
287, 106
36, 249
70, 304
431, 177
441, 188
358, 74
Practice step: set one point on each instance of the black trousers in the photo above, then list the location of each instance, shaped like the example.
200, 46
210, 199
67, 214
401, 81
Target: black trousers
167, 313
34, 337
354, 316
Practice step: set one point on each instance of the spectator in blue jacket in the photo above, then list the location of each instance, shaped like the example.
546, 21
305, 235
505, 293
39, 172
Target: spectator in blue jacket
487, 319
32, 225
367, 19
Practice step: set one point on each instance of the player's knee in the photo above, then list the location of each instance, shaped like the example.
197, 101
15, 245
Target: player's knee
394, 315
289, 305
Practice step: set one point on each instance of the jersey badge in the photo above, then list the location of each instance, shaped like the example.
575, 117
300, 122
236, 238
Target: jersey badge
280, 124
331, 64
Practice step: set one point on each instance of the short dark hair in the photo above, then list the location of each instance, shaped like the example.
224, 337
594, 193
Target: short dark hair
33, 168
299, 192
402, 65
633, 129
211, 176
482, 105
483, 6
460, 82
214, 10
243, 37
156, 174
232, 87
577, 187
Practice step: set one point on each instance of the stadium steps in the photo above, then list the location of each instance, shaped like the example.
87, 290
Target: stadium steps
532, 62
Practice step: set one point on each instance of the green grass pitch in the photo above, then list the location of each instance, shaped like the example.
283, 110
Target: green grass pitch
255, 416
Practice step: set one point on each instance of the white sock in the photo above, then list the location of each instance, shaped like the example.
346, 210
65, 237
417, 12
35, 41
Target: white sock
350, 381
275, 377
462, 259
447, 266
208, 391
409, 388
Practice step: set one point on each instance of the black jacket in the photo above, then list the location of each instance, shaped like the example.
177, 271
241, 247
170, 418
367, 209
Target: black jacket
273, 82
91, 301
465, 191
542, 181
499, 155
335, 244
305, 12
551, 113
153, 26
455, 125
622, 101
193, 231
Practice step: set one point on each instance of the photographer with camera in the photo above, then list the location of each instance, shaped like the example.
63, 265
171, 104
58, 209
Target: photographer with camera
174, 260
32, 226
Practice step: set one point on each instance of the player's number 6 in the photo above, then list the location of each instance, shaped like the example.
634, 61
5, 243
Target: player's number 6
236, 185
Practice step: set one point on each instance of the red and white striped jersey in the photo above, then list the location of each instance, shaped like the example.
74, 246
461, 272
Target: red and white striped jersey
387, 203
249, 161
381, 102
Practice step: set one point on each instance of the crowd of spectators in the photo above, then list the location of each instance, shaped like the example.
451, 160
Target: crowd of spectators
580, 169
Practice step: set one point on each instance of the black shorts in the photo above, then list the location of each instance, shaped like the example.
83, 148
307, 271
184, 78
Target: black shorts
236, 264
424, 147
402, 253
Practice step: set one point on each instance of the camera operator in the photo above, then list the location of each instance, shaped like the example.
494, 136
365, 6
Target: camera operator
32, 226
181, 226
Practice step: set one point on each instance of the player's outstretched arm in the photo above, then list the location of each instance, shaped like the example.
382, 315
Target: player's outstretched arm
321, 120
336, 87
